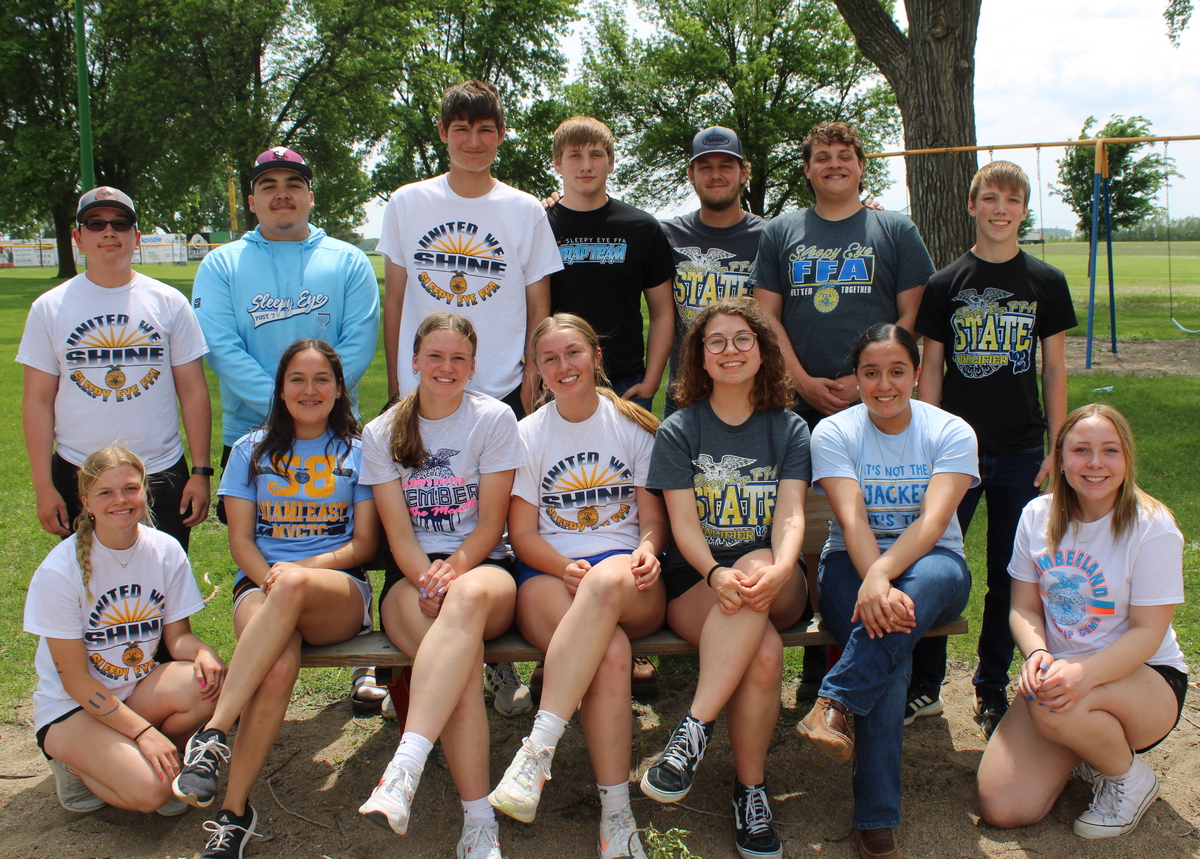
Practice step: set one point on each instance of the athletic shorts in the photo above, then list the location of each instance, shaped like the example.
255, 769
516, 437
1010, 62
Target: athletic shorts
244, 586
526, 572
392, 574
680, 577
40, 736
1178, 681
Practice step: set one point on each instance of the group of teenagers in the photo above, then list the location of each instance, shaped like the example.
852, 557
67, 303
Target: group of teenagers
588, 523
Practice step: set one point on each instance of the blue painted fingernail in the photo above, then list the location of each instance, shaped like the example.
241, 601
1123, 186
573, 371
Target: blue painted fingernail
1041, 703
422, 591
1030, 698
442, 591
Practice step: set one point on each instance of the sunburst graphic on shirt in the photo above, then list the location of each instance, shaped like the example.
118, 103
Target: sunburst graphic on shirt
127, 613
464, 245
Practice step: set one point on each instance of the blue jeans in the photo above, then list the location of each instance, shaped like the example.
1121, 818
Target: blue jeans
871, 678
620, 386
1008, 483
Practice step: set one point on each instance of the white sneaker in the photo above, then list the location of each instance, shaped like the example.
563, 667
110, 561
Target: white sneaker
618, 837
1118, 803
520, 789
480, 842
174, 807
73, 794
391, 801
1087, 773
388, 709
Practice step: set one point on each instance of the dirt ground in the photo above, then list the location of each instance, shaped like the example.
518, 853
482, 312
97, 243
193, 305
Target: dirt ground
326, 762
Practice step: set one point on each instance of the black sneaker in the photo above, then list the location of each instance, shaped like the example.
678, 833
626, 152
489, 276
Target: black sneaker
229, 834
754, 835
990, 707
670, 779
196, 783
922, 704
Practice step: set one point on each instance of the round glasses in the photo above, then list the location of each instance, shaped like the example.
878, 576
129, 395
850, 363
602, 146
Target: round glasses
743, 342
97, 225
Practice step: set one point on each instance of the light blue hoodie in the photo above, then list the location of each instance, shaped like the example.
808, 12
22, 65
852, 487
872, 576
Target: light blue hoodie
255, 297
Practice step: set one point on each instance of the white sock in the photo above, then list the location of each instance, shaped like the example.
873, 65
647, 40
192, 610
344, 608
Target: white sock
613, 796
413, 751
479, 811
547, 729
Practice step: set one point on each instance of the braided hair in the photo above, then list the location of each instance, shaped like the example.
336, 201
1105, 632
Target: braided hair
95, 465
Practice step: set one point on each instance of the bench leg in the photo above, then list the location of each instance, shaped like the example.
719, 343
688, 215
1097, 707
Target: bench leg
398, 689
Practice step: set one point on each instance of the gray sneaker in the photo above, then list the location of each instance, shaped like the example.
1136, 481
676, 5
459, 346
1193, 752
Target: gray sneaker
511, 695
73, 794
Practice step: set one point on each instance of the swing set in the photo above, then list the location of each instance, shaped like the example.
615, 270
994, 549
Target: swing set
1100, 200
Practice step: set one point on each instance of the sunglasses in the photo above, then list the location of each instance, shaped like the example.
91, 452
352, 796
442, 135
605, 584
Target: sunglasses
96, 225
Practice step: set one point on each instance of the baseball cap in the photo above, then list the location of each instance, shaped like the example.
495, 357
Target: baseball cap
717, 139
280, 158
106, 197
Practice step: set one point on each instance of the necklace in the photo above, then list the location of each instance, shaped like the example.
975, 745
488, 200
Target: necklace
127, 554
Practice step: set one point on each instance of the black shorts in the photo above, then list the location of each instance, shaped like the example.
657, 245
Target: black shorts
679, 576
40, 736
1178, 681
392, 574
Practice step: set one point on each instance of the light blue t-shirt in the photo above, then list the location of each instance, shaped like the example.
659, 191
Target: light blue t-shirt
893, 470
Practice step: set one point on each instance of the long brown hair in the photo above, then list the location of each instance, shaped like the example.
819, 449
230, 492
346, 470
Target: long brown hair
279, 432
773, 386
1130, 502
95, 465
407, 447
569, 321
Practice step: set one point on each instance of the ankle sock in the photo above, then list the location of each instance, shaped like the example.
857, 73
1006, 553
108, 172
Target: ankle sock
547, 729
613, 796
413, 751
479, 811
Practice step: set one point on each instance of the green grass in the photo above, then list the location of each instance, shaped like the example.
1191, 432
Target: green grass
1164, 413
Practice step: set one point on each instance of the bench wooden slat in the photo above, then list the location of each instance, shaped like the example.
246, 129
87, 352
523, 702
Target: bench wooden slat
373, 648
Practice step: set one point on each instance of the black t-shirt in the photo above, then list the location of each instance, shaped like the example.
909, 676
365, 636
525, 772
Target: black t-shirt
990, 317
610, 256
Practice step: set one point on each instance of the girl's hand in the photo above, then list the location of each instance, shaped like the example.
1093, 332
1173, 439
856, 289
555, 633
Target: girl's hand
645, 566
435, 581
210, 674
274, 573
726, 584
760, 588
1031, 673
573, 574
881, 609
1062, 685
160, 753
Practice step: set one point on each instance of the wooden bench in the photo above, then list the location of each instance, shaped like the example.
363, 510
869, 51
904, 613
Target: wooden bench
374, 648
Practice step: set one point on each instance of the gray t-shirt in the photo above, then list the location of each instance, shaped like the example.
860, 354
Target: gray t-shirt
837, 278
734, 470
443, 493
711, 263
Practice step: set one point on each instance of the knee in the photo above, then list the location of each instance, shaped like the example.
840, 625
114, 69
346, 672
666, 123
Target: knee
766, 668
604, 586
145, 792
281, 676
467, 599
615, 665
999, 808
289, 587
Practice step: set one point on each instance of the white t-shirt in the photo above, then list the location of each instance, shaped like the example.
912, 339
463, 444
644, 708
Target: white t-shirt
113, 351
893, 470
582, 477
443, 493
473, 256
1089, 582
122, 620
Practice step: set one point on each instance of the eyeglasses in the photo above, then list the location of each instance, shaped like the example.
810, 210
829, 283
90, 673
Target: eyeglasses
743, 342
96, 225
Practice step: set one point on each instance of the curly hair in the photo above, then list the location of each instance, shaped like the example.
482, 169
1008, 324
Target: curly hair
773, 385
828, 133
280, 432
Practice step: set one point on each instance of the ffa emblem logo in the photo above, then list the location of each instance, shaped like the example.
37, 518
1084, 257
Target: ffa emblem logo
458, 283
114, 378
826, 299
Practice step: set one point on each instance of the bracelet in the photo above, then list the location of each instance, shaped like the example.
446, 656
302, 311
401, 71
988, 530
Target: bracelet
203, 470
138, 735
708, 578
1039, 650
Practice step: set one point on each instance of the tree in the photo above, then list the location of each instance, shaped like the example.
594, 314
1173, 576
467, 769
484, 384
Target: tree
1133, 181
768, 69
1178, 15
511, 43
39, 135
932, 70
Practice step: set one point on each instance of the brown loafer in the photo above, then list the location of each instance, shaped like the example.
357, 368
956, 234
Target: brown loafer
644, 679
877, 844
826, 727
